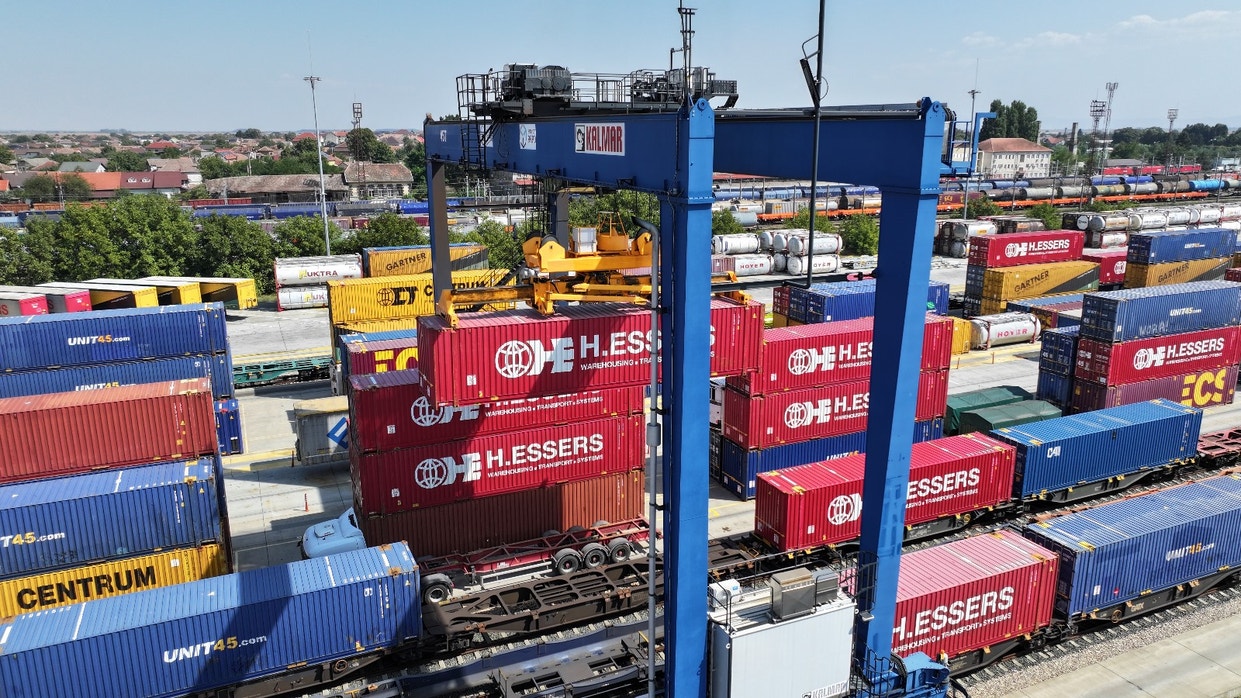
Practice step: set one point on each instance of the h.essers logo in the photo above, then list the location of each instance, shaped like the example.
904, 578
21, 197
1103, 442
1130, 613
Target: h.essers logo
808, 360
530, 357
437, 472
1021, 249
844, 508
425, 414
800, 414
1158, 356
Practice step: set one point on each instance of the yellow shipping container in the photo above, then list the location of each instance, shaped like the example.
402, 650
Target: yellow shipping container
170, 292
395, 297
234, 293
779, 320
51, 589
1034, 280
403, 261
1139, 275
793, 323
962, 331
111, 296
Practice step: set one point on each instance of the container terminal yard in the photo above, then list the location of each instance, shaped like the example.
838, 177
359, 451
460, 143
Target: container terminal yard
997, 459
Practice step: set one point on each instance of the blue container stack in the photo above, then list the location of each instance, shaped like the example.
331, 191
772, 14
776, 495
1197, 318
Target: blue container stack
850, 300
108, 348
1056, 360
1175, 249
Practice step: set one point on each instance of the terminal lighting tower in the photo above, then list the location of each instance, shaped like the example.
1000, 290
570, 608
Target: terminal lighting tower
1107, 120
327, 241
1172, 114
1098, 109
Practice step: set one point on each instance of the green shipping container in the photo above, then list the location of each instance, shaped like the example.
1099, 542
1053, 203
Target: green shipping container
989, 418
977, 400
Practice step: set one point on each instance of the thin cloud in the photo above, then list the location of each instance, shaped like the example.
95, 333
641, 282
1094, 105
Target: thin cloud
979, 39
1216, 21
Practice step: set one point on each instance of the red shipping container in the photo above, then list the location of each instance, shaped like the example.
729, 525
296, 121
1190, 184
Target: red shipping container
382, 356
519, 353
22, 304
814, 413
1232, 275
1111, 263
1214, 386
821, 503
780, 300
962, 596
1014, 249
806, 356
472, 524
392, 410
57, 434
1157, 357
424, 476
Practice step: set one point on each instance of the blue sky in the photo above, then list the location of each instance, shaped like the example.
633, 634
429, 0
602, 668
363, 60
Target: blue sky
221, 65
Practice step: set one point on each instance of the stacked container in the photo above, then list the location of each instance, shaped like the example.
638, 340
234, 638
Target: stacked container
809, 398
1021, 265
849, 300
1057, 361
301, 282
108, 492
113, 348
1181, 343
416, 259
1161, 258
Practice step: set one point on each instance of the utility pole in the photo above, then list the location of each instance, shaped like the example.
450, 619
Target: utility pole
327, 241
1107, 122
965, 202
1172, 114
1098, 109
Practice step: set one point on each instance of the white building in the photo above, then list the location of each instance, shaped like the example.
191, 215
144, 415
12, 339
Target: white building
1013, 158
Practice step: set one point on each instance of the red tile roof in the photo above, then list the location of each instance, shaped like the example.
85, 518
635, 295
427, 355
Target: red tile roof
1011, 145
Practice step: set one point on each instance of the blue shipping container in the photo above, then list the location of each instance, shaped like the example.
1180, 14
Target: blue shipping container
1092, 446
228, 426
73, 378
850, 300
1055, 388
216, 632
76, 339
1158, 246
1155, 311
1059, 350
742, 467
1124, 550
84, 519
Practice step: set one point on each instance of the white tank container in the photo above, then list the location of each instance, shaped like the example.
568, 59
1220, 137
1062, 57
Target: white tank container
753, 264
1083, 221
1147, 220
959, 249
1104, 240
1108, 221
1181, 216
1207, 214
1231, 225
780, 241
765, 240
747, 219
1005, 328
298, 297
747, 208
779, 262
741, 243
962, 230
317, 271
824, 243
1230, 212
823, 264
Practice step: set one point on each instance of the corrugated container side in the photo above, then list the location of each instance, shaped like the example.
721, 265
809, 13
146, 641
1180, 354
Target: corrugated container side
1026, 248
1111, 263
22, 304
392, 410
1124, 550
416, 259
1056, 389
741, 466
1198, 389
1127, 314
473, 524
67, 522
57, 300
962, 331
357, 603
974, 399
487, 465
39, 341
64, 433
393, 297
1058, 353
851, 300
1050, 316
361, 358
118, 374
973, 593
815, 413
372, 330
47, 590
1157, 246
1157, 357
821, 503
1040, 280
1092, 446
812, 355
1167, 273
228, 426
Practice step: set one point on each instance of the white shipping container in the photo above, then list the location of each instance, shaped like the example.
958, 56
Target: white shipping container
317, 271
753, 264
741, 243
299, 297
823, 264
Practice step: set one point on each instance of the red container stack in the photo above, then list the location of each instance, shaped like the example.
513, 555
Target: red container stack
1015, 249
1156, 357
1111, 264
821, 503
813, 383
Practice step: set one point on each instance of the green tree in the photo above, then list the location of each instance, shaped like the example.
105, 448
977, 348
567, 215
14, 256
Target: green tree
171, 153
384, 230
801, 219
124, 161
6, 154
982, 206
25, 259
503, 246
860, 234
725, 223
414, 154
366, 147
1048, 214
302, 236
127, 238
230, 246
249, 133
1015, 120
214, 168
198, 192
58, 187
585, 210
1063, 158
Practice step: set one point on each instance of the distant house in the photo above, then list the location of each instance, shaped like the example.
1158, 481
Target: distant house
184, 165
166, 183
160, 146
279, 189
1011, 158
370, 180
81, 167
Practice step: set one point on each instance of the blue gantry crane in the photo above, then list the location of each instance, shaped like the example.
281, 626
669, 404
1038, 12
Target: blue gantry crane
638, 133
